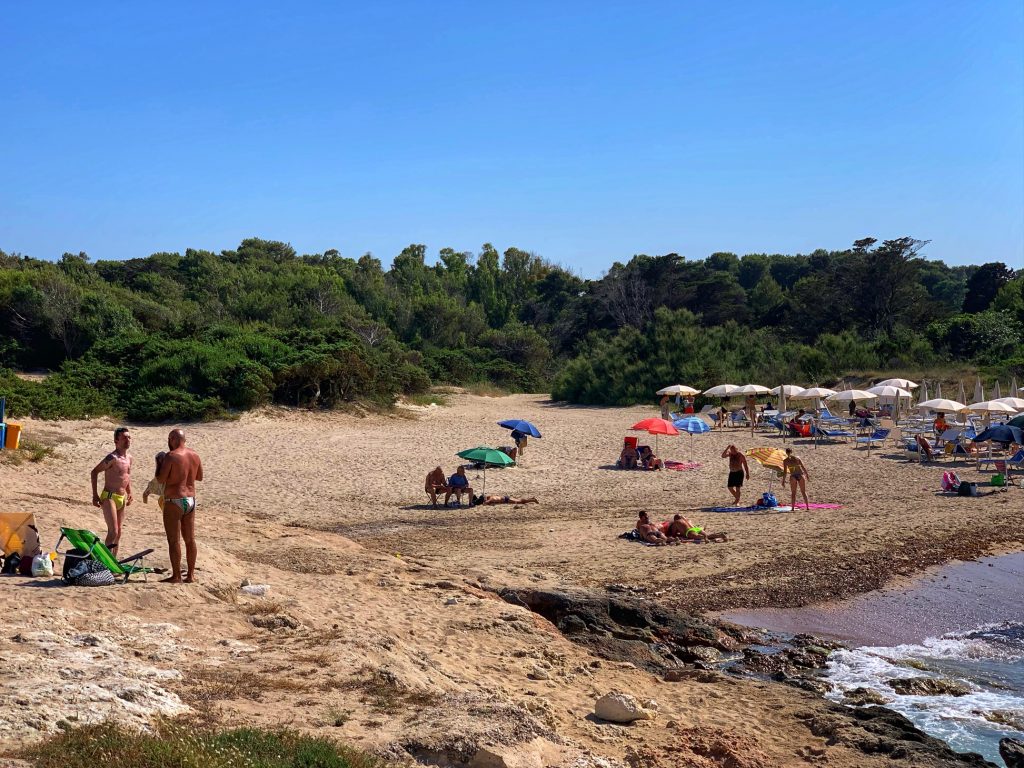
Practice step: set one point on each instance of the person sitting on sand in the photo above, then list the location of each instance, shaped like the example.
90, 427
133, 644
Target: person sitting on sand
797, 472
682, 528
435, 483
490, 501
458, 484
629, 457
648, 531
649, 460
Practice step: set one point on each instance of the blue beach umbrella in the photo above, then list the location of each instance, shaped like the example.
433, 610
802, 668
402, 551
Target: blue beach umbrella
692, 425
1000, 433
520, 425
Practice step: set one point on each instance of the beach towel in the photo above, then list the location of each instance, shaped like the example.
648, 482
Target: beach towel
682, 466
635, 537
755, 508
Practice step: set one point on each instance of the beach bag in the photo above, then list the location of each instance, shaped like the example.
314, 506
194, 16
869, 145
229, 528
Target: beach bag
950, 481
967, 489
42, 565
87, 573
11, 564
768, 500
999, 481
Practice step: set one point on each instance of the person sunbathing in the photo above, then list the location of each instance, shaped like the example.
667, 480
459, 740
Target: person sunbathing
492, 500
649, 460
924, 447
681, 528
648, 531
629, 457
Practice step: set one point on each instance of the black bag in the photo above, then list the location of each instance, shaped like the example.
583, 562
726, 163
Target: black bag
967, 489
79, 570
11, 563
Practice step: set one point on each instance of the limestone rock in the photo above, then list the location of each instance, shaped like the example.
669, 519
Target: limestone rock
1012, 752
859, 697
621, 708
928, 686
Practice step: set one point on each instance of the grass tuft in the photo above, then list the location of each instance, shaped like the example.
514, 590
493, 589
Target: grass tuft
485, 389
429, 398
173, 745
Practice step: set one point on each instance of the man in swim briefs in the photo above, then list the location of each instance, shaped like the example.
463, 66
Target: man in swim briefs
117, 486
682, 528
738, 469
179, 471
435, 483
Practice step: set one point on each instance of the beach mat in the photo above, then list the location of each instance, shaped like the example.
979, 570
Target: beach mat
771, 509
682, 466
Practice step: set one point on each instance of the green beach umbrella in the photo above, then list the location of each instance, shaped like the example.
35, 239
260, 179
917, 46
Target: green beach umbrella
484, 455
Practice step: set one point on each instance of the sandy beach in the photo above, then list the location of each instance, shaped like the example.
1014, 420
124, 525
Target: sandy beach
382, 625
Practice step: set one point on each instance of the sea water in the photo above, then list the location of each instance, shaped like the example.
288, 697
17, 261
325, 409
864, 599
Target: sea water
963, 622
988, 661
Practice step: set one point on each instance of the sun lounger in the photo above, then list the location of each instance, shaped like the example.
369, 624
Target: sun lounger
94, 548
834, 435
1016, 460
879, 436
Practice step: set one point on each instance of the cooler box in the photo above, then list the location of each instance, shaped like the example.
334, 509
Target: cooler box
12, 436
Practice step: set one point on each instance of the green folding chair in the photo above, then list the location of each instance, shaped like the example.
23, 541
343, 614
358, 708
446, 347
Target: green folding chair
94, 548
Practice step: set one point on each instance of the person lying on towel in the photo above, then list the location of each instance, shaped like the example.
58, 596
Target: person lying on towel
682, 528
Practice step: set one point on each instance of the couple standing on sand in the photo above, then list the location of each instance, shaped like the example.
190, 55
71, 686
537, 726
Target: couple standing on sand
176, 474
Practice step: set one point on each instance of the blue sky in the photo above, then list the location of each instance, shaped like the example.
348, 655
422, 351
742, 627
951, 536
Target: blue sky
585, 132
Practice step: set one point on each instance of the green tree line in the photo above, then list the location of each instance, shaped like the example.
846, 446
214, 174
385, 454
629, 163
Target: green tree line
203, 334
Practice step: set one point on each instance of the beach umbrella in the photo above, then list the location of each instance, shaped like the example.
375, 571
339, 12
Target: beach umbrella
486, 456
938, 389
979, 391
990, 406
751, 389
1000, 433
788, 389
722, 390
941, 405
692, 425
851, 394
1017, 421
996, 394
923, 394
772, 458
890, 392
901, 383
962, 397
813, 393
1017, 403
654, 426
1013, 388
520, 425
678, 389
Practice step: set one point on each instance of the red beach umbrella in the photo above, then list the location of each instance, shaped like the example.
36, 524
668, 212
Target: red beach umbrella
655, 426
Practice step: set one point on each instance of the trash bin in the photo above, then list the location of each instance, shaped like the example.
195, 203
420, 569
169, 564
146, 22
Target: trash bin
12, 436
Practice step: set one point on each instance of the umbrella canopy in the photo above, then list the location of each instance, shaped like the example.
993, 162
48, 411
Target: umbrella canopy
1017, 403
722, 390
852, 394
693, 426
789, 389
678, 389
901, 383
812, 393
941, 405
889, 390
1000, 433
520, 425
751, 389
486, 456
772, 458
990, 406
1017, 421
655, 426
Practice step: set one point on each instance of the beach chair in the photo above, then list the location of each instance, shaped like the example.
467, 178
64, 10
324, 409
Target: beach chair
1016, 460
94, 548
879, 436
834, 435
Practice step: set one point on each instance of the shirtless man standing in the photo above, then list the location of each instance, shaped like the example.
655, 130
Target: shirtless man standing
117, 486
180, 470
738, 469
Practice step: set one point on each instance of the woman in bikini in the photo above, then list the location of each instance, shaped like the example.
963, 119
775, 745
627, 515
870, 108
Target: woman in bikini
797, 477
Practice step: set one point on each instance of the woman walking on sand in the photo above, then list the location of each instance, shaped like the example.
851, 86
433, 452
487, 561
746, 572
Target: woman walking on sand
797, 472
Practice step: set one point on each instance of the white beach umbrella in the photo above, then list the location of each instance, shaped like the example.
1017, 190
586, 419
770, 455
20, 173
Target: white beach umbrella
979, 391
988, 407
996, 394
722, 390
890, 391
813, 393
751, 389
851, 394
1017, 403
941, 405
789, 389
962, 397
923, 394
901, 383
1014, 392
678, 389
938, 389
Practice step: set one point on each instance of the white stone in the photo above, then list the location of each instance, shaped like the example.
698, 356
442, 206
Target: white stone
621, 708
